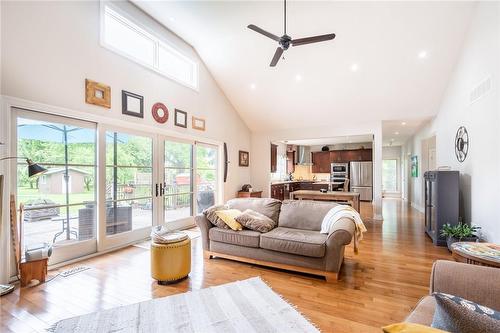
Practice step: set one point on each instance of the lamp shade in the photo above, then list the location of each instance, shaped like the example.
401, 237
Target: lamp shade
34, 169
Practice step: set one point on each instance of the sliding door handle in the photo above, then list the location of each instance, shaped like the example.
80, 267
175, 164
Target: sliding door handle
156, 189
161, 189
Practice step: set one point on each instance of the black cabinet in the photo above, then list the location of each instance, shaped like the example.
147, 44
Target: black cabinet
441, 202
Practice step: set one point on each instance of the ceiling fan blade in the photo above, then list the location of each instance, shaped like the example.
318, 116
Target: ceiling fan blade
263, 32
314, 39
277, 56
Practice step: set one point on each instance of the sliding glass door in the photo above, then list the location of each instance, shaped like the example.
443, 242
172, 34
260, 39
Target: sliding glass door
183, 194
128, 191
60, 205
105, 187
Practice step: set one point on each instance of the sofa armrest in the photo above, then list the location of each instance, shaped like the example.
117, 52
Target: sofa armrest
472, 282
204, 224
340, 236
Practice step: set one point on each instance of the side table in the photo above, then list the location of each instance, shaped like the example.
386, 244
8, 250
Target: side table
483, 254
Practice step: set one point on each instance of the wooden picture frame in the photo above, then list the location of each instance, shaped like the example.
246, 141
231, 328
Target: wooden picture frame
198, 123
97, 93
160, 113
243, 158
180, 118
132, 104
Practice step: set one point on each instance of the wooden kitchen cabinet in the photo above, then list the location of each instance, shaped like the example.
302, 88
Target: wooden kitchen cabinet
278, 191
321, 162
274, 158
366, 155
336, 156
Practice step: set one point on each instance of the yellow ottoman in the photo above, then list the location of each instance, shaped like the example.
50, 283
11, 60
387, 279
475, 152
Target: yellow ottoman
170, 262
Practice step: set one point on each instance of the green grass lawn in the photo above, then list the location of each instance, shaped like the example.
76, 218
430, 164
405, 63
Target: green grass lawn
26, 194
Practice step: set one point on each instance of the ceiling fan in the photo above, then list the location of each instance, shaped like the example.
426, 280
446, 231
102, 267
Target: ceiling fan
285, 41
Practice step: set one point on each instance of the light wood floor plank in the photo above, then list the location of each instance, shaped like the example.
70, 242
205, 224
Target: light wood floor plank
377, 287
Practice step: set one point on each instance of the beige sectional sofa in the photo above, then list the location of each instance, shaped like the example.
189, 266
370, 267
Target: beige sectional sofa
478, 284
295, 244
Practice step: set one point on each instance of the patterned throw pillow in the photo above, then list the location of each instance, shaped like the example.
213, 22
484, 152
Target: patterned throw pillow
455, 314
255, 221
213, 218
228, 216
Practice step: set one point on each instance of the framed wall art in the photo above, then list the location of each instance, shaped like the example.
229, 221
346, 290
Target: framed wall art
97, 93
244, 158
180, 118
160, 113
198, 124
132, 104
414, 166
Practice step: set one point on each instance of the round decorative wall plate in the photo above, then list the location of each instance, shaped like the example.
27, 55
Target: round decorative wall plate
160, 113
461, 144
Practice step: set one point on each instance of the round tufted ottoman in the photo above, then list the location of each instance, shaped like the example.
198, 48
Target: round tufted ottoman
171, 261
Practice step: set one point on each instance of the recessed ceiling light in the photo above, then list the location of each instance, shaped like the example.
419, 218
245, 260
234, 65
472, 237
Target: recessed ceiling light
354, 67
172, 18
422, 54
396, 133
253, 86
298, 77
403, 123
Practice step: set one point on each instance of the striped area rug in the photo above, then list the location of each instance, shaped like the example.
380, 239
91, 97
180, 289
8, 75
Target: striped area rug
243, 306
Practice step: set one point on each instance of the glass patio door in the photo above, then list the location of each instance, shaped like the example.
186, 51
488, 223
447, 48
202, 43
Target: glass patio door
127, 200
184, 195
60, 205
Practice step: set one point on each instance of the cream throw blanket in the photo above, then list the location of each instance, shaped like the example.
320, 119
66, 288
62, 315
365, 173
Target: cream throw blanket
336, 213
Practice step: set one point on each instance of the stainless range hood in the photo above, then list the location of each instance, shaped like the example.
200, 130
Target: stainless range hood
303, 155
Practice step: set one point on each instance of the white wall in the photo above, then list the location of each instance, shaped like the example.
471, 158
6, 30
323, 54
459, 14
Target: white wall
261, 141
480, 172
48, 50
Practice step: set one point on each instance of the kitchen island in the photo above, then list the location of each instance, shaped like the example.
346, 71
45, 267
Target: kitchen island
350, 197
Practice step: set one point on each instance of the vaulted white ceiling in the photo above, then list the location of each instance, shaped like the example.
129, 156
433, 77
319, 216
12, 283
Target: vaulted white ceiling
383, 39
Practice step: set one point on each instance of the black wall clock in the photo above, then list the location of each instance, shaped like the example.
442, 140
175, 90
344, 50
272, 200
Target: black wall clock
461, 144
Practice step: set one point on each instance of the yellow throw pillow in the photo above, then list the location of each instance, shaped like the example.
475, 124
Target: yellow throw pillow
410, 328
228, 215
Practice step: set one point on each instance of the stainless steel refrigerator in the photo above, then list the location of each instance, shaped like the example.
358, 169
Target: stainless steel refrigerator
361, 179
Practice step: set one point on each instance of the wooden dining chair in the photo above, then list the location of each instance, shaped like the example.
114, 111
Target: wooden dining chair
346, 185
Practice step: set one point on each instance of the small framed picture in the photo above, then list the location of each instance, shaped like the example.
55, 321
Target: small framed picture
198, 124
132, 104
97, 93
180, 118
244, 158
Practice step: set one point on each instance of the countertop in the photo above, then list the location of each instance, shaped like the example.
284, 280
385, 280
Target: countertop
318, 182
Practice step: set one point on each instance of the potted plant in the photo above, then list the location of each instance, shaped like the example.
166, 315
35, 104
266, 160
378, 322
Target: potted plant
460, 232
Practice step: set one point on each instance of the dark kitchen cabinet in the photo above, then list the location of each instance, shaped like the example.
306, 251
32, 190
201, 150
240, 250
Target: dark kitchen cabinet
290, 162
317, 187
321, 162
336, 156
280, 191
366, 155
274, 158
304, 186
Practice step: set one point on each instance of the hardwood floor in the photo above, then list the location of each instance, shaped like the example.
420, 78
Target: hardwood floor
377, 287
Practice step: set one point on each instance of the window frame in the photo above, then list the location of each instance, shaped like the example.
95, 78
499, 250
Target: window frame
118, 14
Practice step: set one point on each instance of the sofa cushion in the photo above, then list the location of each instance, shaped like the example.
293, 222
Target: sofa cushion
267, 206
255, 221
228, 216
302, 242
210, 214
248, 238
455, 314
304, 214
423, 312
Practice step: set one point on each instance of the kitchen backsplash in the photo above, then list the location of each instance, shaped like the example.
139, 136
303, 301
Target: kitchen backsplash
304, 171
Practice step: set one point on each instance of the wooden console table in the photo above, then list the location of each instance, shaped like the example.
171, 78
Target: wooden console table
350, 197
253, 194
483, 254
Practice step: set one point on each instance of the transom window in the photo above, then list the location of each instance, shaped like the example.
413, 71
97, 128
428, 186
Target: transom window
129, 39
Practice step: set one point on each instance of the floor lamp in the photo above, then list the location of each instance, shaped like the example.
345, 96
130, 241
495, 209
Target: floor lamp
33, 171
